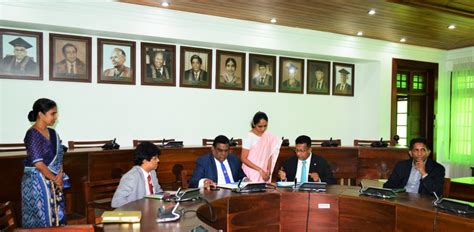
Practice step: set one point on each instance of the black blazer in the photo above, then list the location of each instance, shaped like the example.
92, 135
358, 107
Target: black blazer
206, 168
318, 164
432, 183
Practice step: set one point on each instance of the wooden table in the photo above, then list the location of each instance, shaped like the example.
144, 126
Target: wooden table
349, 164
340, 209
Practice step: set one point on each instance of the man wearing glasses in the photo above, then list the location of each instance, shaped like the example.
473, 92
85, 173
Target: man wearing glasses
418, 174
306, 166
217, 167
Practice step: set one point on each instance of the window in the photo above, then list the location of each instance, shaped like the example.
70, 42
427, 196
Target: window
402, 120
402, 80
418, 82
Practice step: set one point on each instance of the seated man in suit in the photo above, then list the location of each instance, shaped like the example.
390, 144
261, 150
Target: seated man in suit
305, 164
141, 179
418, 174
215, 167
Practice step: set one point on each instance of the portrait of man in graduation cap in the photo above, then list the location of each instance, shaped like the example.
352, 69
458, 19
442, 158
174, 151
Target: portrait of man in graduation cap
344, 80
19, 63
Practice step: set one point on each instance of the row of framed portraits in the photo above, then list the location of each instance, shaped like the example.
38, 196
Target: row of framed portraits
70, 60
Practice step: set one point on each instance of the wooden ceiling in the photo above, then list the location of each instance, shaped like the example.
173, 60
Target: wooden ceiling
421, 22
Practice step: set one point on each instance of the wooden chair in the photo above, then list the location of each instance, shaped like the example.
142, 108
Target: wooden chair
208, 142
446, 187
87, 144
68, 228
156, 142
366, 143
7, 217
98, 197
184, 179
7, 147
319, 142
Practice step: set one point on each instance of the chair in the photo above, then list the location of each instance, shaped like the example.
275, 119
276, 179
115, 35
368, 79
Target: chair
68, 228
87, 144
208, 142
98, 196
7, 147
367, 143
319, 142
156, 142
184, 179
7, 217
446, 187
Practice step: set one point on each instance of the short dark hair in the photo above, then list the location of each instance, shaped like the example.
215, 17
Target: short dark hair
220, 139
257, 117
68, 45
303, 139
42, 105
419, 140
231, 59
145, 151
196, 57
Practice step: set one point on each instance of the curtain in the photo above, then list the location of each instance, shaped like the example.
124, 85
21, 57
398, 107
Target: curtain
461, 154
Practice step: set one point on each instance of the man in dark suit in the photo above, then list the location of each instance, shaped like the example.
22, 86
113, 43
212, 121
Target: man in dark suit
419, 174
157, 70
262, 79
319, 84
70, 66
195, 74
305, 164
217, 167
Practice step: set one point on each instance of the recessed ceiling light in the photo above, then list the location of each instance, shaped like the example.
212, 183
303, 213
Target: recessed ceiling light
273, 20
403, 40
371, 12
165, 4
360, 33
452, 26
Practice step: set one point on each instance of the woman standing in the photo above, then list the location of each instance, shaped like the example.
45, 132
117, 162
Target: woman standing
260, 150
42, 183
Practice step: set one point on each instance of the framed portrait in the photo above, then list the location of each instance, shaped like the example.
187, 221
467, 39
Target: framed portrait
262, 73
291, 75
343, 79
196, 67
317, 77
116, 61
21, 54
230, 70
69, 58
158, 64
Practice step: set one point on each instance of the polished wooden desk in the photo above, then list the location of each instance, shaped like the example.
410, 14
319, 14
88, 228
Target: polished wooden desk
340, 209
462, 188
348, 163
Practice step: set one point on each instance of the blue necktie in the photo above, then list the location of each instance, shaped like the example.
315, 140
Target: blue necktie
224, 170
304, 176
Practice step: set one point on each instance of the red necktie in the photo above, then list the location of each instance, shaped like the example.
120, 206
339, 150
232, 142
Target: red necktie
150, 186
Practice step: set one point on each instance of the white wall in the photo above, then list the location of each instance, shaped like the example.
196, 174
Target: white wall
91, 111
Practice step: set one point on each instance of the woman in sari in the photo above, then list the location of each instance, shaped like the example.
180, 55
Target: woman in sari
260, 150
43, 178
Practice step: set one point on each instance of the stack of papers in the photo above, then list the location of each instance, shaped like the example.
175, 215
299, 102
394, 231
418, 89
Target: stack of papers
285, 184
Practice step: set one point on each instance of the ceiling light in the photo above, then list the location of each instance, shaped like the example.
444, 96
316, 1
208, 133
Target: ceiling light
371, 12
273, 20
165, 4
360, 33
452, 26
403, 40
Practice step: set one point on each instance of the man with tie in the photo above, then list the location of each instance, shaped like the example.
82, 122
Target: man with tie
71, 65
263, 79
141, 179
419, 174
217, 167
319, 84
343, 87
157, 70
19, 64
306, 166
195, 74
